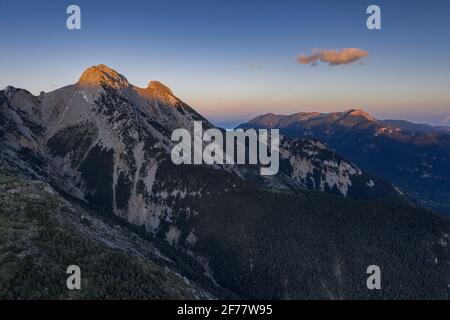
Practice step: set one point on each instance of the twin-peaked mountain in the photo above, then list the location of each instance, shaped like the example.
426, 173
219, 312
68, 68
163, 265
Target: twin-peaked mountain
105, 145
101, 138
414, 157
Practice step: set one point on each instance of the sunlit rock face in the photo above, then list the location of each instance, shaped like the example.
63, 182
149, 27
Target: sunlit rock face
100, 75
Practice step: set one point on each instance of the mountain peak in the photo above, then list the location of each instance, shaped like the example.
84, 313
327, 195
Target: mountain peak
158, 87
359, 113
102, 75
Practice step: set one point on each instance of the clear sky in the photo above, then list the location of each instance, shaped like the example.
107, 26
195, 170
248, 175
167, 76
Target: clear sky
234, 59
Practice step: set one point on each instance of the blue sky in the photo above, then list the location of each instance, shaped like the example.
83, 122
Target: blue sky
232, 60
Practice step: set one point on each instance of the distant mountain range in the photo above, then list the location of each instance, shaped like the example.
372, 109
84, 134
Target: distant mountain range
414, 157
85, 172
410, 126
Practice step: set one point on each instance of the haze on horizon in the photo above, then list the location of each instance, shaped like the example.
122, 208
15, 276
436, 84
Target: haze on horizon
233, 60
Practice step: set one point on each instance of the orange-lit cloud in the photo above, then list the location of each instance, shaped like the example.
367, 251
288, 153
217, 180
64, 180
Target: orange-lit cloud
333, 57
